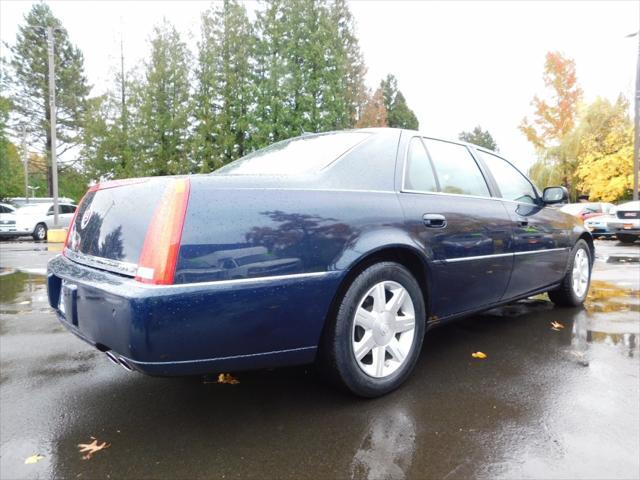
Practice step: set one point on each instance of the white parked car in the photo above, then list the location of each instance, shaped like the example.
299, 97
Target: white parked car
35, 220
627, 223
7, 220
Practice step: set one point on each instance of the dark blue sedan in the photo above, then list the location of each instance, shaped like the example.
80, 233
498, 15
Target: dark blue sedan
340, 249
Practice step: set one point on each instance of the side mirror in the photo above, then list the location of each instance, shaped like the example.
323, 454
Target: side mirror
552, 195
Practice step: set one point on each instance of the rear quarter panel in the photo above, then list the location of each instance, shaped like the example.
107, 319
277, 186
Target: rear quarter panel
248, 233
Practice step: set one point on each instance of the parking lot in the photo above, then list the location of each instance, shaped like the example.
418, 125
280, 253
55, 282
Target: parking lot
550, 400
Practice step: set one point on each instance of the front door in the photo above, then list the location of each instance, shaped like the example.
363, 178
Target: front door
540, 241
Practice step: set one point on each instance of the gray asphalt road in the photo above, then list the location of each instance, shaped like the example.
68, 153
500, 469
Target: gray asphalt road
543, 404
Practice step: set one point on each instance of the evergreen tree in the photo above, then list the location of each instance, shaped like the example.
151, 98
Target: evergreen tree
10, 168
30, 83
225, 91
479, 137
399, 115
161, 128
350, 95
270, 72
309, 69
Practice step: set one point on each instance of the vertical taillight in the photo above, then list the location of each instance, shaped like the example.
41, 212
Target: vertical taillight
159, 256
73, 221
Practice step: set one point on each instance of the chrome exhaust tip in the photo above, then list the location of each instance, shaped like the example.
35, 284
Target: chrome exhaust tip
124, 364
112, 357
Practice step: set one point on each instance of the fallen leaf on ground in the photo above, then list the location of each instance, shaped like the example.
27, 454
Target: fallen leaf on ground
479, 355
556, 326
91, 448
33, 459
227, 378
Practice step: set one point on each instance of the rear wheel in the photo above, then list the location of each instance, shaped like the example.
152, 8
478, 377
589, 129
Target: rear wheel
575, 284
626, 238
40, 232
373, 343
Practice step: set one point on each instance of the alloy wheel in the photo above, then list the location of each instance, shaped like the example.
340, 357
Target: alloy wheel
580, 273
383, 329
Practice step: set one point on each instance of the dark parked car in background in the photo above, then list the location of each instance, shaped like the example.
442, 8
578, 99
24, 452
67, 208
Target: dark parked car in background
350, 245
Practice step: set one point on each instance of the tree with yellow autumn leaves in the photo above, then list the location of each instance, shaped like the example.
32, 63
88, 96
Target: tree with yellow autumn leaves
587, 148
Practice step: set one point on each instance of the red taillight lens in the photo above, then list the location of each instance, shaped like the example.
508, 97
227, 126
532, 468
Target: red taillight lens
157, 263
73, 222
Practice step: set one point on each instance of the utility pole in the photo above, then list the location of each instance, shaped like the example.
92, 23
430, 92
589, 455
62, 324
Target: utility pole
25, 163
636, 129
52, 121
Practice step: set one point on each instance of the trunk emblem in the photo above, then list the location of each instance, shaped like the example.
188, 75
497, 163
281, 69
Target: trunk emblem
85, 218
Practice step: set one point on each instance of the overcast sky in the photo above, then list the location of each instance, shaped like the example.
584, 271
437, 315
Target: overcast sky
459, 64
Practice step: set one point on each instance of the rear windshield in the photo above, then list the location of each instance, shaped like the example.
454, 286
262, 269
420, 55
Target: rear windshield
296, 156
112, 223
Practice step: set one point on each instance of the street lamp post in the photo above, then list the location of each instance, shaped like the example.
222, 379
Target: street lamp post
636, 121
52, 121
25, 163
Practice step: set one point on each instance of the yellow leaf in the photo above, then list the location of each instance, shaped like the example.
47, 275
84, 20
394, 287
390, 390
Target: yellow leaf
91, 448
479, 355
556, 326
33, 459
227, 378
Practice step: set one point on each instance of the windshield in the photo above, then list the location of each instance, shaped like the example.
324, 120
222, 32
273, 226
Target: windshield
298, 155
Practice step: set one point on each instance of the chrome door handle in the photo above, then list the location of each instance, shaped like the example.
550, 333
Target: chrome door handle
434, 220
523, 222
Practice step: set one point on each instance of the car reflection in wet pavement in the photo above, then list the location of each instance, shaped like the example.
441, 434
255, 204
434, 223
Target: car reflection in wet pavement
547, 402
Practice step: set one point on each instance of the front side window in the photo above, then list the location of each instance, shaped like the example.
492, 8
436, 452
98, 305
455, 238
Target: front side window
513, 185
457, 171
296, 156
419, 175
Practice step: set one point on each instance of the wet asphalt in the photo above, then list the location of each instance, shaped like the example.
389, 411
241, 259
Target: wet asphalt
545, 403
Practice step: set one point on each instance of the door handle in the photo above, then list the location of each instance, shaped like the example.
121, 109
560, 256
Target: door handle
523, 222
434, 220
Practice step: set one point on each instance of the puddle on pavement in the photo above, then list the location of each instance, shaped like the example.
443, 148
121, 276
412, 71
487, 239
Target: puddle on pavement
20, 292
608, 297
623, 259
610, 317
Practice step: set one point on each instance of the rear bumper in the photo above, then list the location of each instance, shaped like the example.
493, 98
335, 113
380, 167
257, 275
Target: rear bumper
14, 234
194, 328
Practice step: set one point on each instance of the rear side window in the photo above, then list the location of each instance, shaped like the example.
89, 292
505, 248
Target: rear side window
419, 175
513, 185
299, 155
457, 171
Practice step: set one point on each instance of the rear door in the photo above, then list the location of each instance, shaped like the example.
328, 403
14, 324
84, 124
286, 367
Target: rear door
540, 234
463, 230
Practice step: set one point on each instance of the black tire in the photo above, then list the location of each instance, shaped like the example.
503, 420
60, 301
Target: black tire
626, 238
40, 232
565, 295
336, 359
